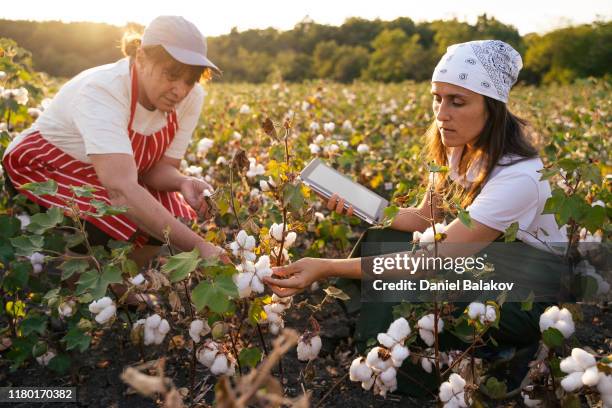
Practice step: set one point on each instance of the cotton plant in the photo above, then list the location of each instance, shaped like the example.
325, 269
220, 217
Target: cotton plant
104, 309
426, 328
560, 319
154, 329
197, 329
274, 312
452, 392
214, 356
378, 370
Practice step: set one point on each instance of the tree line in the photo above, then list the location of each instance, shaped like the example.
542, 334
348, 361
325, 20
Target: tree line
359, 49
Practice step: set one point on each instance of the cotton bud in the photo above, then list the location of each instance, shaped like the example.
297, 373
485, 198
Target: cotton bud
137, 280
452, 392
359, 370
197, 329
308, 347
155, 329
363, 148
245, 109
66, 309
558, 319
319, 139
426, 328
314, 126
44, 359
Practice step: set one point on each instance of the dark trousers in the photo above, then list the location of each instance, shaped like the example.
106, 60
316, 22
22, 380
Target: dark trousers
518, 334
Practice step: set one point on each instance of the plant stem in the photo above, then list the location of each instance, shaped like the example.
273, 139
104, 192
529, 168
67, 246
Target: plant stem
231, 187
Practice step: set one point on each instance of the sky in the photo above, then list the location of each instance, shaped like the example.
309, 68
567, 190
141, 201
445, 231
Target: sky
215, 17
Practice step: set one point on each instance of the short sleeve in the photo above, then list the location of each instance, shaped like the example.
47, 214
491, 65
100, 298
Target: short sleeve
505, 199
187, 117
101, 118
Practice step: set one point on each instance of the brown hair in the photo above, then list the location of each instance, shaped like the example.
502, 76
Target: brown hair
131, 42
502, 134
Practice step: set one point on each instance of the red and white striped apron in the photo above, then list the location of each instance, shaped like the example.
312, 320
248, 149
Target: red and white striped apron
35, 159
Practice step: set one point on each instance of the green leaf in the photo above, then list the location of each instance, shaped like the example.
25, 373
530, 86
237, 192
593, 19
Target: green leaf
256, 311
527, 305
60, 363
464, 217
389, 214
73, 266
20, 351
568, 165
75, 239
215, 294
181, 265
42, 222
9, 226
594, 218
510, 233
17, 276
76, 339
33, 323
111, 274
495, 388
103, 209
249, 357
83, 191
590, 172
293, 197
552, 337
334, 292
48, 187
434, 168
27, 245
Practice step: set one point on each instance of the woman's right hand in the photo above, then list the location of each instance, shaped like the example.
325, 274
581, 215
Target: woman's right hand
208, 250
336, 203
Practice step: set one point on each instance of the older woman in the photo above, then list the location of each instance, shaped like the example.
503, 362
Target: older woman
123, 128
493, 173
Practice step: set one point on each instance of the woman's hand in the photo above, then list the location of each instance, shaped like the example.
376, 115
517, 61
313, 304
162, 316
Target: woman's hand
208, 250
335, 202
298, 275
192, 190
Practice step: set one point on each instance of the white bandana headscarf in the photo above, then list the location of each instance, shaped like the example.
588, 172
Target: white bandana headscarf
487, 67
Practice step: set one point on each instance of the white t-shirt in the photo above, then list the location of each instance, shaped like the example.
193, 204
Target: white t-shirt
90, 115
514, 193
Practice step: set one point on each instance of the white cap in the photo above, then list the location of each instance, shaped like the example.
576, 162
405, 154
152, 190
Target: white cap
180, 38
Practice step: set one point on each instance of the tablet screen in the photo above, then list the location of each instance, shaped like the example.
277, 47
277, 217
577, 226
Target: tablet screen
354, 193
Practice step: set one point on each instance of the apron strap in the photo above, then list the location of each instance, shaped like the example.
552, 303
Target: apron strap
134, 96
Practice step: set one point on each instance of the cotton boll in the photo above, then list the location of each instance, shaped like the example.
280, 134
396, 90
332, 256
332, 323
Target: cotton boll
221, 365
329, 126
359, 370
106, 314
276, 231
426, 322
386, 340
290, 239
398, 354
475, 309
490, 314
446, 392
399, 329
44, 359
569, 365
264, 186
584, 359
566, 328
378, 359
38, 268
153, 321
427, 336
37, 258
367, 385
314, 148
308, 348
137, 280
198, 328
388, 376
572, 382
243, 283
363, 148
245, 109
531, 403
164, 327
605, 389
207, 353
256, 285
97, 305
66, 309
426, 364
590, 378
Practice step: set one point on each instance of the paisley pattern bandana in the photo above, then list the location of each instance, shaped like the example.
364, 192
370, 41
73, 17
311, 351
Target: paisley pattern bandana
487, 67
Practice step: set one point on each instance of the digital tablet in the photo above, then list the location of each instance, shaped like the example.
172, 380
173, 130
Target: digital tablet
326, 181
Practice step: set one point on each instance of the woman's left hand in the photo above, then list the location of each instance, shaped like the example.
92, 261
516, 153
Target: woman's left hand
297, 276
192, 190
